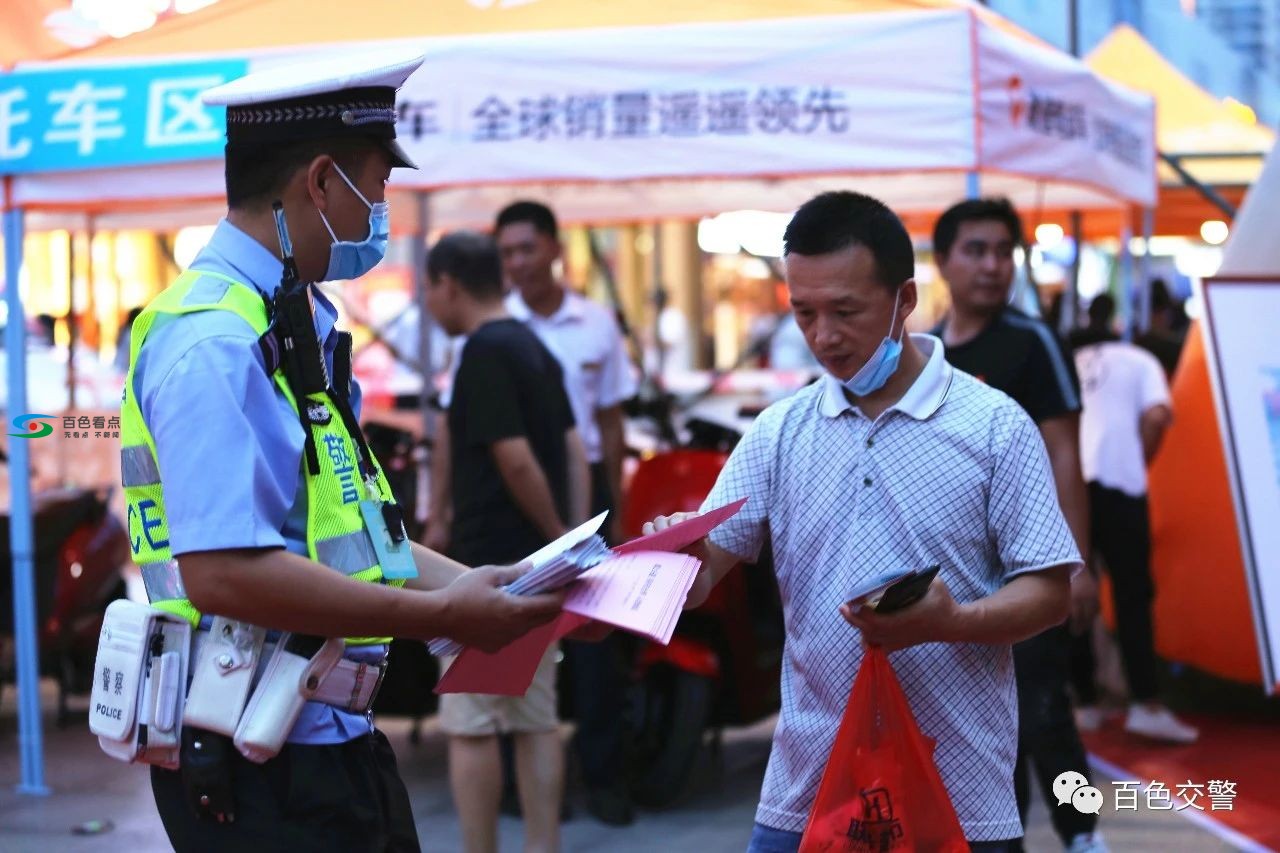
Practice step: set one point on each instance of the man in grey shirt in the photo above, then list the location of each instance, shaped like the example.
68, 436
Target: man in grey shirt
892, 461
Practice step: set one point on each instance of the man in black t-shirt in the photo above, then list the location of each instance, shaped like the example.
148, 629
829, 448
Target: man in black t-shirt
973, 245
519, 474
508, 421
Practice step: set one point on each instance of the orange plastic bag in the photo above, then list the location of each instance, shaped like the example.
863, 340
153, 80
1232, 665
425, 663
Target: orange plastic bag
881, 790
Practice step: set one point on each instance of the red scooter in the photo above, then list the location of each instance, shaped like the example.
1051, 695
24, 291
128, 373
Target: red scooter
723, 664
80, 552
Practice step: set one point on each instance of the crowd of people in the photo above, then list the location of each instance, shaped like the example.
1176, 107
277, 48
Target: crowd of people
983, 446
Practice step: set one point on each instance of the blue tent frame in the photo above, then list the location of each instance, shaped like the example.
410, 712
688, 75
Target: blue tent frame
21, 540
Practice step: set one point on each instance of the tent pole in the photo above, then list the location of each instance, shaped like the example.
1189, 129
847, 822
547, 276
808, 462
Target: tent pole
70, 319
1210, 194
426, 369
1071, 298
972, 184
1144, 303
1126, 279
425, 320
30, 736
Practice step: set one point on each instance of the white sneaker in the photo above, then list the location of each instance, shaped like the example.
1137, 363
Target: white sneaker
1089, 718
1087, 842
1159, 724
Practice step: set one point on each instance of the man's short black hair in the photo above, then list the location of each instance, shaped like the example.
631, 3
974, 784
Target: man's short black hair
471, 259
535, 213
257, 174
1102, 310
974, 210
834, 221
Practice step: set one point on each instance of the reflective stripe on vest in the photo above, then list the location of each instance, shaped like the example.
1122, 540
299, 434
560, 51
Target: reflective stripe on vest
162, 581
350, 553
138, 467
336, 535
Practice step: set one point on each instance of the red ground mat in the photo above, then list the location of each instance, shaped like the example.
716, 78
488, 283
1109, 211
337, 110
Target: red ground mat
1244, 751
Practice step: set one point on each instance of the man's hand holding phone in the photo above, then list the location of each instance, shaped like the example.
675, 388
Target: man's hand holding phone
918, 609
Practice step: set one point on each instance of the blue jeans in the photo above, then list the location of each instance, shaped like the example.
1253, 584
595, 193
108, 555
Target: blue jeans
766, 839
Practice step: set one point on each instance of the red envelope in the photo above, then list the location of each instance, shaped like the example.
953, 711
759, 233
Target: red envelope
510, 670
682, 535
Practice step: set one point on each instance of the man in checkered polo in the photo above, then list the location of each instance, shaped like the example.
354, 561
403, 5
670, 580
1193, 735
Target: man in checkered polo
892, 461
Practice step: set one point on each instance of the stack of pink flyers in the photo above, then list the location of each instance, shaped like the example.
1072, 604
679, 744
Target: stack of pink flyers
641, 588
643, 593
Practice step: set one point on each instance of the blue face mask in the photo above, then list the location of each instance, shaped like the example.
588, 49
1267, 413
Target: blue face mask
348, 260
883, 362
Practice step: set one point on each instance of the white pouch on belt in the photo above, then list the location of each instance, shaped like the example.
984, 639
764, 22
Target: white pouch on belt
226, 659
140, 677
292, 674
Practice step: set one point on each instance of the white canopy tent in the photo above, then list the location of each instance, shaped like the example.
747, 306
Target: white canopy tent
685, 120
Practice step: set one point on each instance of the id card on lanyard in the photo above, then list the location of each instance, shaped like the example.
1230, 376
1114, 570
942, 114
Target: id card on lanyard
385, 524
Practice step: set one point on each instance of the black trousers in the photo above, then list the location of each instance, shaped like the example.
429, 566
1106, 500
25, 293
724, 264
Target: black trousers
1122, 535
1048, 742
598, 673
338, 797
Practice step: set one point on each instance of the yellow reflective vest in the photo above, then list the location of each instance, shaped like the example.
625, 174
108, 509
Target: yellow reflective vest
336, 531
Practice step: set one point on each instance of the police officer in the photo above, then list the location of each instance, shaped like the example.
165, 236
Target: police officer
252, 494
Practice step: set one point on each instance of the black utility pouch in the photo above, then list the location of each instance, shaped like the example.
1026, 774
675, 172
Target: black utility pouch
206, 774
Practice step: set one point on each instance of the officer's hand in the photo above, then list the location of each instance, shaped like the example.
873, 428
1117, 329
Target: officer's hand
482, 616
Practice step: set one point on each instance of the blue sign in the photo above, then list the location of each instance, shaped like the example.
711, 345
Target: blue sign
122, 115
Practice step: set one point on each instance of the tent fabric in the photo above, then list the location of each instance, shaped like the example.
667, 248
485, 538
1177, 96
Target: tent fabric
254, 25
1202, 613
23, 35
1030, 126
1196, 560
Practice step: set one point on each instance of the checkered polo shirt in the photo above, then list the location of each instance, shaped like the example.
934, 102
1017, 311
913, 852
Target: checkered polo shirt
955, 473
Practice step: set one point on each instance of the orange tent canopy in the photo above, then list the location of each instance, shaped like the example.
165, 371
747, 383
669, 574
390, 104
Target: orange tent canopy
23, 35
1189, 121
240, 25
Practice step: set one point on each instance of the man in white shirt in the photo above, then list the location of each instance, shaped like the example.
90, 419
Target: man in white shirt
586, 340
1126, 412
892, 461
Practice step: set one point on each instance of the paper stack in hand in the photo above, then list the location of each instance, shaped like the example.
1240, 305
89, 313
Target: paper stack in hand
550, 567
638, 586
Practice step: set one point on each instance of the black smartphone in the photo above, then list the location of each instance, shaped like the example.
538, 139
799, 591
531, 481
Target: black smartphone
907, 591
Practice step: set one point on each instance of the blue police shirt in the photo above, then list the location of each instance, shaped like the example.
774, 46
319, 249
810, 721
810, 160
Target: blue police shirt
228, 443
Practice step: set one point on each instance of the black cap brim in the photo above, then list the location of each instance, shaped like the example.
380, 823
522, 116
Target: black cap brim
400, 158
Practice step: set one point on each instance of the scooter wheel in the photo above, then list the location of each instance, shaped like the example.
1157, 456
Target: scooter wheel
674, 709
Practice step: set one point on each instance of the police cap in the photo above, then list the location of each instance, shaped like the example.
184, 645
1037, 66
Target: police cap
350, 97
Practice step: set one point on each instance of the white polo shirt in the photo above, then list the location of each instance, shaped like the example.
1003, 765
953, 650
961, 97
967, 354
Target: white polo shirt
1118, 383
955, 474
585, 339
